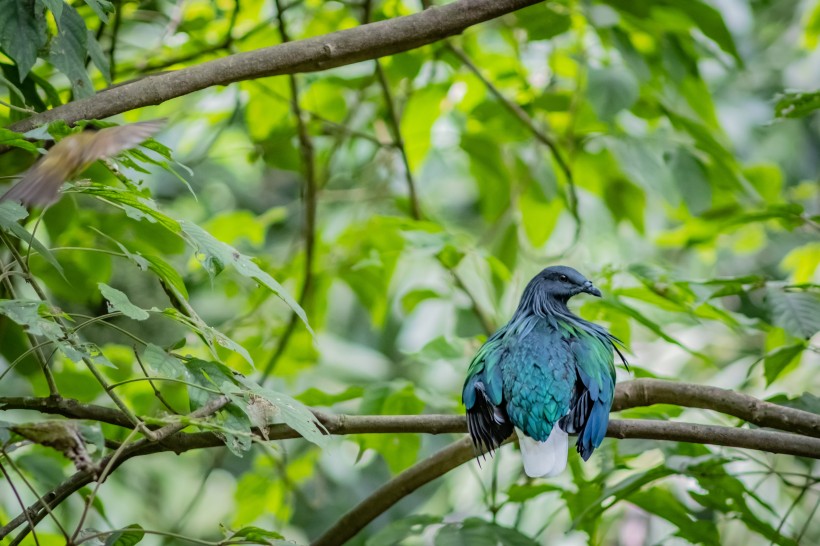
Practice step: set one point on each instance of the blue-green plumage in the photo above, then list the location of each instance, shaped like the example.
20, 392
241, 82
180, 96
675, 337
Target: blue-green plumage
546, 368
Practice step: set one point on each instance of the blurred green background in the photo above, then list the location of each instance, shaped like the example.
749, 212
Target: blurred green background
685, 186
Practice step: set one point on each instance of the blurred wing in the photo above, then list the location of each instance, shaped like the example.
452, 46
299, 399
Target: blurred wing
113, 140
40, 185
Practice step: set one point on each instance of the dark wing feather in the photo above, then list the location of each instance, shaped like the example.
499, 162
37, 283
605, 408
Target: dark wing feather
489, 425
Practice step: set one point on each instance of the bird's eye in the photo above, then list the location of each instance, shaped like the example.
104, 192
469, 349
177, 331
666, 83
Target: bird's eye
563, 278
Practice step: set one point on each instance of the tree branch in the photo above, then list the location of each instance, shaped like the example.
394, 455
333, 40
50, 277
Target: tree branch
462, 451
773, 442
645, 392
37, 511
628, 394
340, 48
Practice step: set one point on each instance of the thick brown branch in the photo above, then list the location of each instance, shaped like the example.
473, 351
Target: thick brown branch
396, 489
629, 394
462, 451
340, 48
774, 442
67, 407
645, 392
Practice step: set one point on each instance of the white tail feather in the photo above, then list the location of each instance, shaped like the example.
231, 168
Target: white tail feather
544, 459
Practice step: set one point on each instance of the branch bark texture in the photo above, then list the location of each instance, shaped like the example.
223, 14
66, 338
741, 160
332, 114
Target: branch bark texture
344, 47
640, 392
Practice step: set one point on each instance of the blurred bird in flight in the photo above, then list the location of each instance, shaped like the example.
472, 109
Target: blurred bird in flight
40, 185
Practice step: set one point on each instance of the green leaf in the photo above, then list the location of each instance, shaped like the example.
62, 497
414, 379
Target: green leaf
16, 140
524, 492
69, 50
489, 172
442, 347
257, 535
710, 22
796, 104
290, 412
26, 313
55, 7
411, 299
796, 312
662, 503
118, 301
420, 112
315, 397
102, 8
539, 217
10, 215
210, 335
401, 529
98, 57
619, 491
477, 532
626, 201
399, 450
692, 181
133, 534
135, 206
543, 21
806, 402
611, 89
161, 363
776, 361
650, 324
642, 161
215, 255
208, 374
22, 32
167, 274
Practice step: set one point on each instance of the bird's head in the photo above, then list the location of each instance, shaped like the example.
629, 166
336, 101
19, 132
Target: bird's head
563, 282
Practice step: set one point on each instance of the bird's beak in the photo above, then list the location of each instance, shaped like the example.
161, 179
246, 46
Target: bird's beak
589, 288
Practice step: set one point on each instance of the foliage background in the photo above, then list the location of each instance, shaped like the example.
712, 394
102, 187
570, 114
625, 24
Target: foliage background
685, 185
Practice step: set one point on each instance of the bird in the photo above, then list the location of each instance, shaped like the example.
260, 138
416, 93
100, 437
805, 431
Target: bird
40, 185
545, 374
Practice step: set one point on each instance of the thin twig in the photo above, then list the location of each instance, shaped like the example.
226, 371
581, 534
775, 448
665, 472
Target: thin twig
310, 201
87, 361
103, 475
20, 502
52, 384
395, 126
13, 466
540, 135
80, 479
157, 392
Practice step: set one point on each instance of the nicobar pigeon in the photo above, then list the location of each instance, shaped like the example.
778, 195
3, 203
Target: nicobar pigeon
546, 374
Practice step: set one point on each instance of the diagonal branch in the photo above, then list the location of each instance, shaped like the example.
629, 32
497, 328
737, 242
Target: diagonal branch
37, 511
340, 48
773, 442
462, 451
540, 135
